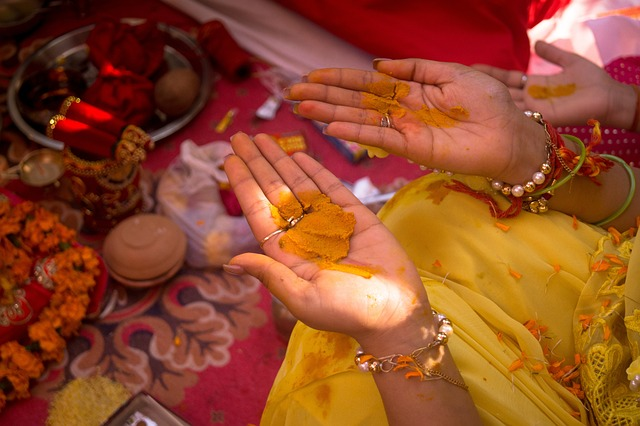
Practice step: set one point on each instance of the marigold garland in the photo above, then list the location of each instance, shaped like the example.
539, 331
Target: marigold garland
29, 232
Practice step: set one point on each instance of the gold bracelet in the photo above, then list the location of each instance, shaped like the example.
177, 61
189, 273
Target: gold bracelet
395, 362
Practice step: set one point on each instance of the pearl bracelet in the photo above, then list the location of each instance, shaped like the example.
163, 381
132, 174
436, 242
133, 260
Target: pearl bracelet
518, 190
538, 178
371, 364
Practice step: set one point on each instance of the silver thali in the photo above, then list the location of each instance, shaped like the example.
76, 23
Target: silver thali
71, 52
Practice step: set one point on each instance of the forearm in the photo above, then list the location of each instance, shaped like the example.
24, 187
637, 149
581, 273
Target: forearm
593, 203
412, 402
591, 200
440, 395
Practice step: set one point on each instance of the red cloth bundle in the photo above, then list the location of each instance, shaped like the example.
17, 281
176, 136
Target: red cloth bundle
224, 51
92, 130
126, 56
135, 48
92, 116
82, 137
123, 94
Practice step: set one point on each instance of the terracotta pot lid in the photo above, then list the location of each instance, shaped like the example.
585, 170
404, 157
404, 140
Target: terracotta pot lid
144, 246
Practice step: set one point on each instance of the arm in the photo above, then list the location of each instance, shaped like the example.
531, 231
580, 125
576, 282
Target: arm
450, 117
386, 312
595, 95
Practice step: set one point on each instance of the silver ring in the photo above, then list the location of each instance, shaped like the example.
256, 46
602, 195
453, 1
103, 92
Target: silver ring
385, 121
271, 235
523, 80
292, 221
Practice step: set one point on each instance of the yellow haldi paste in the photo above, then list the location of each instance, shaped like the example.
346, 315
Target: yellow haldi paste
323, 233
436, 118
383, 96
545, 92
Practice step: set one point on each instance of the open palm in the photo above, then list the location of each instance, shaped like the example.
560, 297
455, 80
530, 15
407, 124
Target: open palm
593, 90
475, 125
340, 299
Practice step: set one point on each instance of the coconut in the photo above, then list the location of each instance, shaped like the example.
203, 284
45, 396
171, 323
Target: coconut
176, 91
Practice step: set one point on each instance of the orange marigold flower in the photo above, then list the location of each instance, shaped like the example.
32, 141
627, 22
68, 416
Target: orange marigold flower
50, 342
19, 382
29, 232
16, 355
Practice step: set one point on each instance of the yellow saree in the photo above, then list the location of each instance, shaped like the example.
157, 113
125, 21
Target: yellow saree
545, 327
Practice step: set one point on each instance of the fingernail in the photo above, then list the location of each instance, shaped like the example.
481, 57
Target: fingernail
233, 269
304, 78
285, 92
376, 61
235, 135
296, 108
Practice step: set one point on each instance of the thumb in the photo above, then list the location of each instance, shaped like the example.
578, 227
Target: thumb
554, 54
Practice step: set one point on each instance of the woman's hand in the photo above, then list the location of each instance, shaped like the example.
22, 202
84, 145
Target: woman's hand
391, 302
444, 116
594, 93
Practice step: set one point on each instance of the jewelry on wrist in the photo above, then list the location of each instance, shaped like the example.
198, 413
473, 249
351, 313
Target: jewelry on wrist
632, 190
537, 179
585, 163
532, 200
411, 362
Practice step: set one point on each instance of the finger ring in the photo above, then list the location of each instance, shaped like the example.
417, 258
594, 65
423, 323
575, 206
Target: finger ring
271, 235
523, 80
292, 221
385, 121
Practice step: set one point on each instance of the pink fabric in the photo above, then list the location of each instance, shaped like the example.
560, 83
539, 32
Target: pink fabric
620, 142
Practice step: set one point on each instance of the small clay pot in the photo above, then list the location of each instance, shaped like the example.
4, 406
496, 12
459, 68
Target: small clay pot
144, 250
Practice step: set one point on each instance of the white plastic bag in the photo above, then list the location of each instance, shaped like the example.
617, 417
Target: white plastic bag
188, 193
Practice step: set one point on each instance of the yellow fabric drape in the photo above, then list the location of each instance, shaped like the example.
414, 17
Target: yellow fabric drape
516, 294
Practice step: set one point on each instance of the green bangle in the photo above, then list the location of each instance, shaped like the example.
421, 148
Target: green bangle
632, 189
560, 182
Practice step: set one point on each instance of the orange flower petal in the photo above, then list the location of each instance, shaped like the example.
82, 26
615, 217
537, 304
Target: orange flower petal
516, 365
600, 266
515, 274
502, 226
